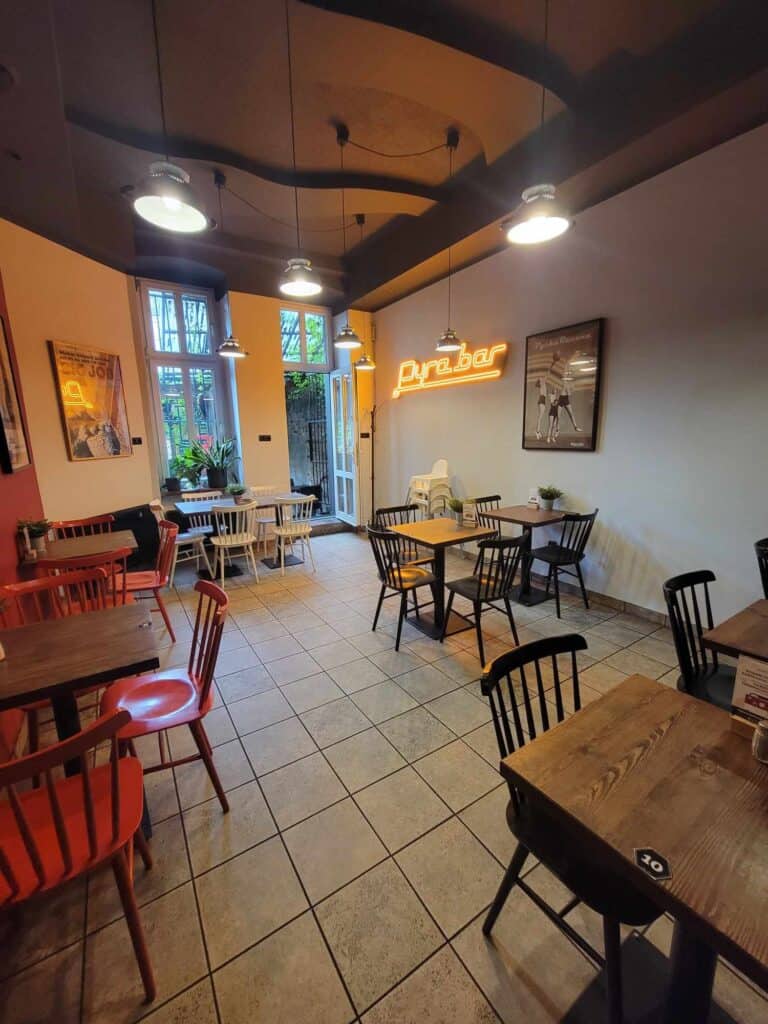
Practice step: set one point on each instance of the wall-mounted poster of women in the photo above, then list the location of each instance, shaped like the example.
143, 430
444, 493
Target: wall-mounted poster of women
562, 388
92, 402
14, 453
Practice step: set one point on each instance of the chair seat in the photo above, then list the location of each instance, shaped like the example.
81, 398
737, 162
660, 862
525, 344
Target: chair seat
293, 530
603, 891
413, 576
233, 540
554, 554
715, 685
191, 537
469, 587
148, 580
156, 701
427, 560
37, 809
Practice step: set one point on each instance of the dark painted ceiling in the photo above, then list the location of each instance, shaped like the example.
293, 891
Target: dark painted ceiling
632, 88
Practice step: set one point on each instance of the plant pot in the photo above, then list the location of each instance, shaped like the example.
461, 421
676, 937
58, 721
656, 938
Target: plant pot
545, 504
172, 484
240, 499
217, 479
39, 544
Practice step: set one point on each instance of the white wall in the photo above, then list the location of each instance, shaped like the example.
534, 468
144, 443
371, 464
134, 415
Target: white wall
678, 267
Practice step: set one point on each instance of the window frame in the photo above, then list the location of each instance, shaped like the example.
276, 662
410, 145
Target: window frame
184, 360
303, 365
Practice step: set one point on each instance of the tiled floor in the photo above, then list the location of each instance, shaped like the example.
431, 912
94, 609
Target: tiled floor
366, 836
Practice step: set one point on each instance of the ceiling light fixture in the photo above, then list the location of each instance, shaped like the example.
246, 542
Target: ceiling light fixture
231, 349
346, 338
448, 340
540, 216
164, 198
365, 363
299, 279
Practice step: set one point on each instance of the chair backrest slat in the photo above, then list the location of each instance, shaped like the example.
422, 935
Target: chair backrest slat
483, 506
211, 614
398, 515
90, 819
88, 527
168, 533
496, 566
201, 520
576, 528
761, 550
684, 596
57, 596
58, 821
297, 512
6, 870
114, 563
25, 832
386, 552
235, 519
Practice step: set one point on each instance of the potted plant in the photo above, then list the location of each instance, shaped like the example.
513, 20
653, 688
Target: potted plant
217, 460
548, 496
36, 530
176, 469
237, 491
456, 505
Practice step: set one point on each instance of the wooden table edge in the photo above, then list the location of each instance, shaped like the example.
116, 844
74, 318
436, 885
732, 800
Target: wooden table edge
480, 534
614, 860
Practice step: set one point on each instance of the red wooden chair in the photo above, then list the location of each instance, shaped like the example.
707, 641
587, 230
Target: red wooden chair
66, 528
52, 597
115, 564
158, 701
155, 579
72, 825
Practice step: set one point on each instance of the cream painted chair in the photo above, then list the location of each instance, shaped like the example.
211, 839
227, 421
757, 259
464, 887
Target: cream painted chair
190, 545
293, 524
265, 517
235, 536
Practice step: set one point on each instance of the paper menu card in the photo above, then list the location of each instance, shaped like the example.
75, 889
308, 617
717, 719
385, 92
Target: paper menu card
750, 693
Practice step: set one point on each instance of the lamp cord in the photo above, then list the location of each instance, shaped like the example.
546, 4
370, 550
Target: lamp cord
293, 126
395, 156
450, 175
546, 38
343, 215
159, 77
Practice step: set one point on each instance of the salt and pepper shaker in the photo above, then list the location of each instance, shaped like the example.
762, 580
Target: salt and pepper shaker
760, 742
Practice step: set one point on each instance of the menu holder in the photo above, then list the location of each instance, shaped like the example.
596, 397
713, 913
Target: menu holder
750, 696
469, 514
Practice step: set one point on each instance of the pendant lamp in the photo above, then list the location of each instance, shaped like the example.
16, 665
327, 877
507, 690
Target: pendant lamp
448, 340
346, 338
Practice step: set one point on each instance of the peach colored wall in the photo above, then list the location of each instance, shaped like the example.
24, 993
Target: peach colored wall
677, 265
55, 293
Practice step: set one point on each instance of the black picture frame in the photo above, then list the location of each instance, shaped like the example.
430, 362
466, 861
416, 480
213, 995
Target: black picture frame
561, 387
14, 444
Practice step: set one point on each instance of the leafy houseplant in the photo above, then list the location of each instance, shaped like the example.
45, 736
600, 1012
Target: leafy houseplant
237, 491
182, 467
456, 505
548, 496
217, 460
37, 530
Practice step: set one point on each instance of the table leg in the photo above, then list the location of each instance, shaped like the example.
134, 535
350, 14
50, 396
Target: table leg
438, 588
525, 570
67, 719
693, 973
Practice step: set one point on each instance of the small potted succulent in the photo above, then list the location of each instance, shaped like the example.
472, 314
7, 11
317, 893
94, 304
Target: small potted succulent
237, 491
36, 530
548, 496
456, 505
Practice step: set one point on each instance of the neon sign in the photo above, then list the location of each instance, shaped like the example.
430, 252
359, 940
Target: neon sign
482, 364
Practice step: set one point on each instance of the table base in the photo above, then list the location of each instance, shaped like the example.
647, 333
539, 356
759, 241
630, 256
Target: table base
229, 572
274, 563
530, 596
425, 623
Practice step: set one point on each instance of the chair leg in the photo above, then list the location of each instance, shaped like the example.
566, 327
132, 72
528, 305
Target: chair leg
378, 608
200, 738
164, 613
581, 584
282, 558
549, 580
556, 577
416, 602
173, 566
128, 899
447, 615
510, 877
311, 556
511, 618
141, 844
33, 731
478, 609
401, 617
206, 559
222, 564
612, 940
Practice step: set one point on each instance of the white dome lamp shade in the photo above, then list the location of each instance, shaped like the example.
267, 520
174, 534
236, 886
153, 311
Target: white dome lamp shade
164, 198
539, 218
299, 280
230, 348
347, 339
365, 363
448, 341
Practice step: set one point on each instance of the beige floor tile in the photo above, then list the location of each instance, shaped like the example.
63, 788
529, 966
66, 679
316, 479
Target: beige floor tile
372, 643
363, 758
264, 629
231, 765
339, 652
280, 647
41, 926
332, 847
259, 711
236, 661
487, 818
261, 985
46, 993
630, 661
483, 741
301, 789
196, 1004
246, 898
160, 792
656, 649
458, 774
384, 700
416, 733
357, 675
246, 683
401, 807
277, 745
334, 721
317, 636
113, 991
426, 682
460, 711
602, 677
311, 692
395, 663
296, 666
378, 931
439, 992
213, 836
453, 874
622, 636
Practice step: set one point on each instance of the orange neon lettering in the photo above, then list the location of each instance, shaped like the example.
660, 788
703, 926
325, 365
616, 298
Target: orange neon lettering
482, 364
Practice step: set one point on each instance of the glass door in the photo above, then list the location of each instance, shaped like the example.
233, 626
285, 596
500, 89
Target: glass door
344, 462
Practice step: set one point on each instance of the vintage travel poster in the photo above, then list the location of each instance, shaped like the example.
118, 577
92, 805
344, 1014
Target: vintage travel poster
92, 402
14, 453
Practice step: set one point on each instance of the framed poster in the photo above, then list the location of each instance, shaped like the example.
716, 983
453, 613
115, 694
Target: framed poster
92, 402
561, 397
14, 451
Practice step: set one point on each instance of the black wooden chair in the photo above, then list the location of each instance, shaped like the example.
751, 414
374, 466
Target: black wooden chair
568, 551
491, 581
690, 615
485, 505
520, 704
761, 550
398, 515
400, 578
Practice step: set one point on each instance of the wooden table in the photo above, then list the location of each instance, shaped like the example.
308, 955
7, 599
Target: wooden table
528, 518
439, 534
97, 544
192, 508
746, 632
646, 766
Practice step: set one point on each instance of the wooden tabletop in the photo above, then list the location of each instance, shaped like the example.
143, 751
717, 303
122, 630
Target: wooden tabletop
441, 533
46, 658
98, 544
646, 766
746, 632
192, 508
525, 515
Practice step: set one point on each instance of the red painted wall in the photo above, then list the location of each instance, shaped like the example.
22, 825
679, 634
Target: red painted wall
19, 499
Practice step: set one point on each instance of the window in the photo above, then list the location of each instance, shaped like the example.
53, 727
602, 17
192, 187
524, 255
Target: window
187, 377
304, 336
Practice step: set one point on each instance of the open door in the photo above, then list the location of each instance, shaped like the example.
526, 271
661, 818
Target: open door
344, 434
